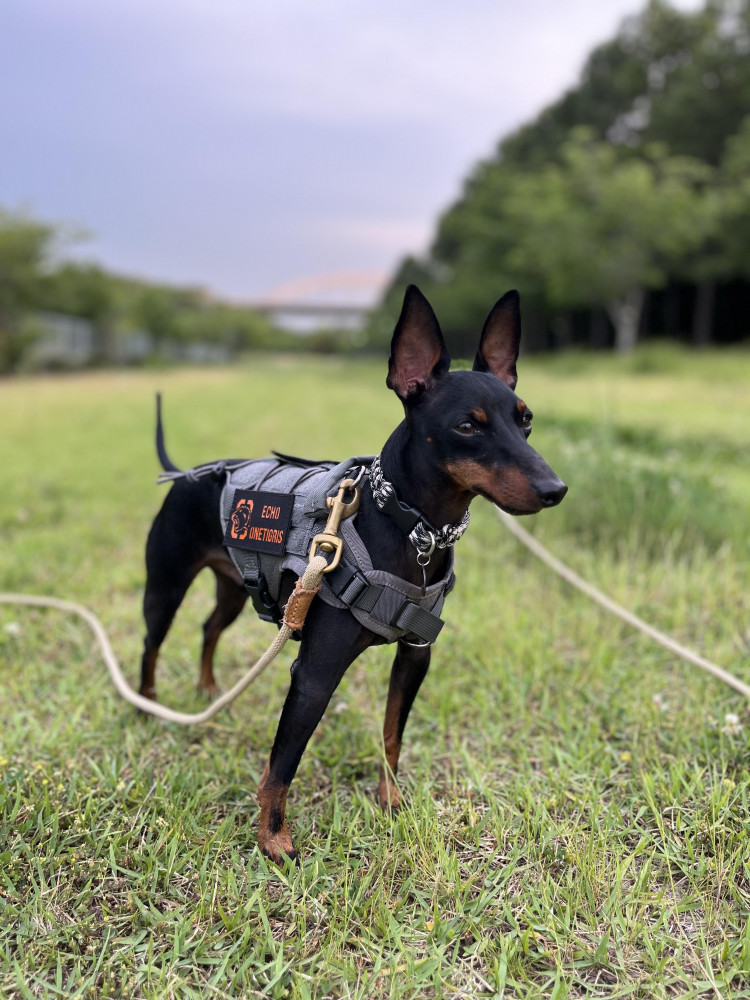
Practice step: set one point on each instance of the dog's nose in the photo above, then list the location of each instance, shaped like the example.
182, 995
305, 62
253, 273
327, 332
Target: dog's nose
551, 491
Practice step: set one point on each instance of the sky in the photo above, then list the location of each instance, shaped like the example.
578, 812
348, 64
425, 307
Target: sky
244, 146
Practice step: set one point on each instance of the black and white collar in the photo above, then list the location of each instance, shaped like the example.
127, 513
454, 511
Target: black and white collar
423, 536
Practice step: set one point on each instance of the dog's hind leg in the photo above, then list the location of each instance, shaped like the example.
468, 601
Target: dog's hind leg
408, 671
230, 600
163, 596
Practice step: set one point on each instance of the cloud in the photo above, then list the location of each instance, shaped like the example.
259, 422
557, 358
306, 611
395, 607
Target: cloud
335, 62
240, 143
385, 236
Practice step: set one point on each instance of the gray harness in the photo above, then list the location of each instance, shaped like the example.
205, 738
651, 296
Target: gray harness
384, 603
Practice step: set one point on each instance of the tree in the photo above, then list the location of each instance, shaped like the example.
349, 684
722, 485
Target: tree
600, 227
669, 76
670, 80
155, 310
700, 89
88, 291
734, 208
25, 247
724, 254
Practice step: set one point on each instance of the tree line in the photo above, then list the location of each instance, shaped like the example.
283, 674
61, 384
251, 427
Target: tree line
38, 287
623, 208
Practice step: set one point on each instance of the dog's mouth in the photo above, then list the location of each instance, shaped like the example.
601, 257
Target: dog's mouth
515, 511
508, 508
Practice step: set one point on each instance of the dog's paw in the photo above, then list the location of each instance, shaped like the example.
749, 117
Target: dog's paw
278, 847
209, 691
389, 796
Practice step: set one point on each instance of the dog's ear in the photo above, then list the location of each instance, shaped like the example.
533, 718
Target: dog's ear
418, 353
501, 337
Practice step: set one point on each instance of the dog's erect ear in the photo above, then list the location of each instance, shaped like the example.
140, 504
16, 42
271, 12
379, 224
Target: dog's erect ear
501, 336
418, 353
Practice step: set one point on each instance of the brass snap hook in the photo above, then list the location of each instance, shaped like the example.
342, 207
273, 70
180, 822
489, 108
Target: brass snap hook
328, 540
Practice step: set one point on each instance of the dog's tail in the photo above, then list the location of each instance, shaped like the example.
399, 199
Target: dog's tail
166, 463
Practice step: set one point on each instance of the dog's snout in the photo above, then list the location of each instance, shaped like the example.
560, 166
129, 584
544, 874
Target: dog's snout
551, 491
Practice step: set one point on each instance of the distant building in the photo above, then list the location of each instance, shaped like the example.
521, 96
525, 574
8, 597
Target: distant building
135, 346
62, 341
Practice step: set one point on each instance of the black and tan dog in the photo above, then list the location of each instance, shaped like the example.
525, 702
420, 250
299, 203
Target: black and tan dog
464, 435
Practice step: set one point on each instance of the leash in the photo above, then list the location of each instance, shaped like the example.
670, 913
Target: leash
306, 588
309, 584
616, 609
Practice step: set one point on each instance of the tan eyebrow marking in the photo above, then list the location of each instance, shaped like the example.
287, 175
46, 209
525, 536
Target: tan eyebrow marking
479, 415
521, 406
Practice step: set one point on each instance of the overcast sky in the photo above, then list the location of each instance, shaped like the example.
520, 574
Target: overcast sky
241, 145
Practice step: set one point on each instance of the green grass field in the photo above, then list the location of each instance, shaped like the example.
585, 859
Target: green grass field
578, 815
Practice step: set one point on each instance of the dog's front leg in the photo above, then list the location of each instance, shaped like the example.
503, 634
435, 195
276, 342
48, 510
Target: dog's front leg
408, 672
331, 640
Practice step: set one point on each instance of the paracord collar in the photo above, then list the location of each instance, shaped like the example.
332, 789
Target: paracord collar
423, 535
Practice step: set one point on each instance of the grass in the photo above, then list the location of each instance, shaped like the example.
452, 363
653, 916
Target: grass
578, 802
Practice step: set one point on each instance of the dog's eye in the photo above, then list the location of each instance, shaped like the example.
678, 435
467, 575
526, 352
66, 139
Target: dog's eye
466, 427
526, 422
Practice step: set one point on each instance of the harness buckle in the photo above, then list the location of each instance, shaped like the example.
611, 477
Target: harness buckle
328, 540
265, 607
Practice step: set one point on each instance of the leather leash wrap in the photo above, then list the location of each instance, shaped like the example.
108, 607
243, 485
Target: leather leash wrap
298, 605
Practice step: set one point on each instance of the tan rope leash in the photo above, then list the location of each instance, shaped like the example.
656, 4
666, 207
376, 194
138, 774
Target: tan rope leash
299, 603
306, 589
296, 609
616, 609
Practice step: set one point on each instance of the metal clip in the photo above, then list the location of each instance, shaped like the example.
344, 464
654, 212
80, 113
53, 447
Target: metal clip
328, 540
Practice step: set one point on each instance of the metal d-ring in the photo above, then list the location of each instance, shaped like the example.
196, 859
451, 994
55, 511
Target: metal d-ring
424, 555
423, 558
358, 478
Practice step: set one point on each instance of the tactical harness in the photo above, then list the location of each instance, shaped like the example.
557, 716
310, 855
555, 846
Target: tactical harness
271, 511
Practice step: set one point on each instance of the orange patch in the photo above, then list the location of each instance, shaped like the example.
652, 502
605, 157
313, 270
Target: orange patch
521, 406
479, 415
241, 519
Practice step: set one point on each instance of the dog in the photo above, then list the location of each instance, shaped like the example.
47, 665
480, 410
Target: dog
464, 434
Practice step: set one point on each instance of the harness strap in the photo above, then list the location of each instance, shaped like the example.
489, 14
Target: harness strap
423, 624
214, 469
353, 590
